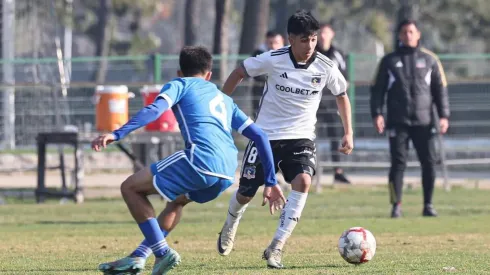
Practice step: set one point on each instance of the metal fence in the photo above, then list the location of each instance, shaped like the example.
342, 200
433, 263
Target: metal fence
39, 102
467, 143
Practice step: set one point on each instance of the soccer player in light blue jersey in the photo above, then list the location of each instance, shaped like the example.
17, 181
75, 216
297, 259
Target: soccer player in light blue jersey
199, 173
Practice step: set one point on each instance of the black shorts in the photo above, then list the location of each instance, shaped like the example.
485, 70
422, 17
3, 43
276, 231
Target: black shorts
291, 156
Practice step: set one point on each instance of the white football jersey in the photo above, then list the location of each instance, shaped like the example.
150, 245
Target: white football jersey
292, 92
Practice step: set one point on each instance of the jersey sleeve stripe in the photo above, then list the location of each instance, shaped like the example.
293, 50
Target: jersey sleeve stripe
245, 125
168, 99
279, 53
340, 59
281, 50
324, 58
244, 69
329, 63
439, 65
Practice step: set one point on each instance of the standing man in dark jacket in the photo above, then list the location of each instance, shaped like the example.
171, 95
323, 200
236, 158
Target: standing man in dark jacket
328, 106
413, 80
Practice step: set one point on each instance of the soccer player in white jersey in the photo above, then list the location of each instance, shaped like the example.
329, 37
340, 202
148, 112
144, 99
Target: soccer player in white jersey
296, 76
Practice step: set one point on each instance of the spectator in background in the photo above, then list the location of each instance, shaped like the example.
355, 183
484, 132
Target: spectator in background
273, 41
150, 67
414, 81
328, 107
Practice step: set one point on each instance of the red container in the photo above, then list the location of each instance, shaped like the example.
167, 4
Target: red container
167, 121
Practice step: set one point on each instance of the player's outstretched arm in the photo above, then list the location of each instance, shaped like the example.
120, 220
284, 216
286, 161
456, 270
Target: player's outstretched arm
272, 191
143, 117
344, 107
233, 80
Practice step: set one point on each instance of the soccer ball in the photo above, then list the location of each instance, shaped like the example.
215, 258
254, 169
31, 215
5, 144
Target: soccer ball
357, 245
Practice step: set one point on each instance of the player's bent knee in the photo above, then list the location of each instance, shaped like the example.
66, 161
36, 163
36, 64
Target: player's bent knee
126, 188
140, 182
243, 199
128, 184
246, 192
303, 178
301, 182
181, 200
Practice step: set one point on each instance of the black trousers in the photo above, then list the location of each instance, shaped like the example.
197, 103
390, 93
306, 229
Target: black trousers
423, 139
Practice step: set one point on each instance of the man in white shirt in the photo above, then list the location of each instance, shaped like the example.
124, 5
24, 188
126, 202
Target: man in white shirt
296, 76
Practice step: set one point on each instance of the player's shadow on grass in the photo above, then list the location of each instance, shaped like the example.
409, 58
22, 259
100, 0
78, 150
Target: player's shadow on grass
315, 266
292, 267
85, 222
36, 271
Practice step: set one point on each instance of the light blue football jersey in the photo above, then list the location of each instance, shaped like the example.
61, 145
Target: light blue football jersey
206, 117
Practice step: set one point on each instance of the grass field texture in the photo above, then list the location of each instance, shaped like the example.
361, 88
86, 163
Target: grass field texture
74, 239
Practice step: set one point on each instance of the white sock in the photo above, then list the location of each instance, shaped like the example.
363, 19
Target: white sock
235, 210
289, 218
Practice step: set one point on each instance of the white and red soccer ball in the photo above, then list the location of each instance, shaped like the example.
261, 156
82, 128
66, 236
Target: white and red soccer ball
357, 245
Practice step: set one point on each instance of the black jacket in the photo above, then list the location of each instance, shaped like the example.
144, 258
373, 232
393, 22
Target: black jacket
337, 56
414, 80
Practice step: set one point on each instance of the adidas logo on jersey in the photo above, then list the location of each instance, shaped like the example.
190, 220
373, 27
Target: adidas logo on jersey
284, 75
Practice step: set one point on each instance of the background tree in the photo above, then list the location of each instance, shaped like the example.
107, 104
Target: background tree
192, 21
221, 45
254, 26
99, 24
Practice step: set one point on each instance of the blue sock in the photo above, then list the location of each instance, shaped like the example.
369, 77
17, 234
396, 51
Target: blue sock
144, 250
154, 237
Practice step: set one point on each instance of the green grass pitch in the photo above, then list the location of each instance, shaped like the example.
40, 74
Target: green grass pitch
74, 239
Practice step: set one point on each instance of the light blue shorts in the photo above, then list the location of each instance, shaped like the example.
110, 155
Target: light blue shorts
175, 175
